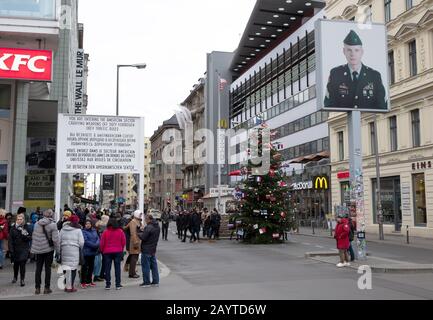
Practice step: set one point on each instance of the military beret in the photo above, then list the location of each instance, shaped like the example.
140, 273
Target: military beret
352, 39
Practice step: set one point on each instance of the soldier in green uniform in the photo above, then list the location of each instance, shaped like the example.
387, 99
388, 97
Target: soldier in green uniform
354, 85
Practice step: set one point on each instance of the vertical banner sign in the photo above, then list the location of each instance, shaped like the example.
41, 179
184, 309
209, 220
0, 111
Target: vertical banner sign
79, 89
108, 182
221, 146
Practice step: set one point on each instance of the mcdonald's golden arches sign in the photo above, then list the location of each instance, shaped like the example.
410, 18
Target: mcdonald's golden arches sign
321, 183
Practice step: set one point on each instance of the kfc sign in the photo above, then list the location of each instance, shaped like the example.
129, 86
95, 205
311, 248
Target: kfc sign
25, 64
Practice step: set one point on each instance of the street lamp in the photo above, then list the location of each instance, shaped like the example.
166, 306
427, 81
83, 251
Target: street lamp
139, 66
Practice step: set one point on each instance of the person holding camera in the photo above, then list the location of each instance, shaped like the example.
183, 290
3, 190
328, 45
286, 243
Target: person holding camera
19, 247
45, 240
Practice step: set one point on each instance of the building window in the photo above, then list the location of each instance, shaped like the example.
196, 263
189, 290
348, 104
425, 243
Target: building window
393, 132
3, 174
41, 9
341, 145
390, 196
391, 68
412, 58
387, 10
416, 135
409, 4
5, 100
419, 199
372, 138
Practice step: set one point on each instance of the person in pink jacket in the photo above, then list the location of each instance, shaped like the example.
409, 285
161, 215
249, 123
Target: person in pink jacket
112, 243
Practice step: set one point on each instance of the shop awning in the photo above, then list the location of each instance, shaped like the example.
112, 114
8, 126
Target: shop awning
312, 157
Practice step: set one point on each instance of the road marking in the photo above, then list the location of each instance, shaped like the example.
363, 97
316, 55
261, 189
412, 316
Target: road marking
320, 247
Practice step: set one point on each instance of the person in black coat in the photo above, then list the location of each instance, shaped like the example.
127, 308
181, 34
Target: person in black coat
19, 247
179, 219
215, 223
195, 226
186, 225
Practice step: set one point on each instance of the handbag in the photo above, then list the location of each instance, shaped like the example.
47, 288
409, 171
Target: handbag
50, 241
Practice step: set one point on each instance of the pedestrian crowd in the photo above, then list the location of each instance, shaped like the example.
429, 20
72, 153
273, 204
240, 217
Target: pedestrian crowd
195, 220
84, 243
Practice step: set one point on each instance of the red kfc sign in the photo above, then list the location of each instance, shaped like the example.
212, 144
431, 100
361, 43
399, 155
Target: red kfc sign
26, 64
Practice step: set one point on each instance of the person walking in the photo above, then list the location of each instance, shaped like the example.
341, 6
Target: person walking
19, 247
4, 234
186, 225
342, 236
123, 222
113, 242
134, 243
195, 226
90, 250
149, 236
205, 217
215, 223
71, 244
165, 222
45, 239
179, 221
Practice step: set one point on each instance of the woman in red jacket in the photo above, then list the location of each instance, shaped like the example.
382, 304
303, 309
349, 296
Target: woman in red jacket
112, 243
342, 231
4, 234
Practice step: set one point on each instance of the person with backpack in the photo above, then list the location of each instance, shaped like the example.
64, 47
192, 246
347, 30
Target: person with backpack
19, 247
45, 239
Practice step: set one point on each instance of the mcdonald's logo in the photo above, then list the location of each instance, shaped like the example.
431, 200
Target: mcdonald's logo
223, 124
321, 183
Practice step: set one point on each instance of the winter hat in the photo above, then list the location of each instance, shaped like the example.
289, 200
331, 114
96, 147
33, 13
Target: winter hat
74, 219
138, 214
67, 214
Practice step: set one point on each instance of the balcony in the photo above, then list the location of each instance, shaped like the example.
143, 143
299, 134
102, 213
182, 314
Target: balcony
28, 9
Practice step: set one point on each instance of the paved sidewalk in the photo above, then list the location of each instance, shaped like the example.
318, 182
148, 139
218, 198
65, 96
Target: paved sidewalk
11, 291
397, 239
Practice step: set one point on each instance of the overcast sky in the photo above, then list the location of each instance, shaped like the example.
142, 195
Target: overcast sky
171, 36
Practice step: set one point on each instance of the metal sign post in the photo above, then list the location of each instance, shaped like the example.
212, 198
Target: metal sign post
356, 178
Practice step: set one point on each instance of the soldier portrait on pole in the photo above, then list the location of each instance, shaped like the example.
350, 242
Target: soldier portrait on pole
355, 85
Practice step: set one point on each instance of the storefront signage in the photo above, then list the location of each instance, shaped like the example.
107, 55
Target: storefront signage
422, 165
302, 185
318, 183
343, 175
25, 64
321, 183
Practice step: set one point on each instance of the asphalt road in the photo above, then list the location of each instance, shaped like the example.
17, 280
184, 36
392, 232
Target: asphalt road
227, 270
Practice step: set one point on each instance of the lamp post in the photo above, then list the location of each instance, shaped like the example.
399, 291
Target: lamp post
137, 66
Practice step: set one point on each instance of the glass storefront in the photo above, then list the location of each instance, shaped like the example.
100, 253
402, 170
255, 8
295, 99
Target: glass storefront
391, 201
35, 9
420, 203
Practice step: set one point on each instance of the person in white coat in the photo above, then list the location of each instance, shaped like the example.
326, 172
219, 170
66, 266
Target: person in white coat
71, 241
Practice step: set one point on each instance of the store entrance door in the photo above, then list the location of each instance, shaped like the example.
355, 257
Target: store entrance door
391, 201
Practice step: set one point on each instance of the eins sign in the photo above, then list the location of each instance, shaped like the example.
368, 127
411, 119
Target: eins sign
26, 64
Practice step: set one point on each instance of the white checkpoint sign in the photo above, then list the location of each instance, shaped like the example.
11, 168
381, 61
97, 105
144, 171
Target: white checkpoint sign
100, 144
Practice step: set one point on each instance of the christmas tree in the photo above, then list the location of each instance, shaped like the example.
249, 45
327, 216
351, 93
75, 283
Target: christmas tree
264, 209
